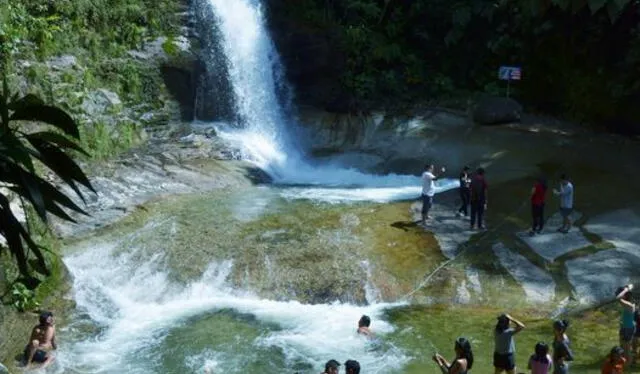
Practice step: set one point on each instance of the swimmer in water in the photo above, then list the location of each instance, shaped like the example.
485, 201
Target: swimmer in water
363, 326
41, 342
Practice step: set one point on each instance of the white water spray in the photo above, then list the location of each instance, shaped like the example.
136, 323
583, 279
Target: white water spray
266, 136
137, 307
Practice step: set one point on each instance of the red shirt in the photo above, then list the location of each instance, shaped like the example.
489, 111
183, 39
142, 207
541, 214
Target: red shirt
617, 367
538, 194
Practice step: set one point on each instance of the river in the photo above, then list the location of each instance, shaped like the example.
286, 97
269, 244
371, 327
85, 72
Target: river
274, 278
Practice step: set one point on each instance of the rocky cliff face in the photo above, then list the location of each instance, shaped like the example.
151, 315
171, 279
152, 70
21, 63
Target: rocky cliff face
382, 142
312, 58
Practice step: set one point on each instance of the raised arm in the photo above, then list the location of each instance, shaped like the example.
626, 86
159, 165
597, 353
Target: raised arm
625, 290
519, 325
625, 304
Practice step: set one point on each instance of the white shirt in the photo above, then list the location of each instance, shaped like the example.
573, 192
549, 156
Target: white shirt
428, 186
566, 196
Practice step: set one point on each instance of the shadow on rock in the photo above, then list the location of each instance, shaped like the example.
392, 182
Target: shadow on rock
405, 225
258, 176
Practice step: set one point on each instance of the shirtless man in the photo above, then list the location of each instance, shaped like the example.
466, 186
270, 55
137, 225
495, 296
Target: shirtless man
363, 326
42, 341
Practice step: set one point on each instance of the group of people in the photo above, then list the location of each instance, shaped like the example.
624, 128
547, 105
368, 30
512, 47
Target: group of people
351, 366
541, 361
474, 194
43, 340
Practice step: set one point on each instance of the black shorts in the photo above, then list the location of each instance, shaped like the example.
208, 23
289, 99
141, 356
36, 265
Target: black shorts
427, 203
504, 362
39, 356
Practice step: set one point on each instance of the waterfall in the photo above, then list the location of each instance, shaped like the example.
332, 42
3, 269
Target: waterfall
266, 129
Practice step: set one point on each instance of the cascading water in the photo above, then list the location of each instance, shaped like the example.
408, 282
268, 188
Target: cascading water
266, 131
133, 318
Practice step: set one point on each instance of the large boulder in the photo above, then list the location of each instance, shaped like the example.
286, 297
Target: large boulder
62, 62
101, 101
497, 110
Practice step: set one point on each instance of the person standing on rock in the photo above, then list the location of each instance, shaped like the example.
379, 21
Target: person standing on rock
428, 190
538, 193
505, 348
465, 191
479, 196
566, 202
627, 318
561, 347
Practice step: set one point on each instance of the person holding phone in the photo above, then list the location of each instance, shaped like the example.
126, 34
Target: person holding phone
428, 190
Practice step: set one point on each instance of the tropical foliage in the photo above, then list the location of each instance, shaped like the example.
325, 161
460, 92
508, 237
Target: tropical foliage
580, 58
34, 136
46, 28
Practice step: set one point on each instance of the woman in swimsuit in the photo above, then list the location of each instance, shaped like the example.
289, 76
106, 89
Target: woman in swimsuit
463, 361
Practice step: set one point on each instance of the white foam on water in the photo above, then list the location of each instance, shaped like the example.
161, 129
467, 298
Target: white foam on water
338, 195
266, 134
131, 298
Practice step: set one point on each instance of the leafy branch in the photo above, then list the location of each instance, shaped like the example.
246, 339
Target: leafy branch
18, 151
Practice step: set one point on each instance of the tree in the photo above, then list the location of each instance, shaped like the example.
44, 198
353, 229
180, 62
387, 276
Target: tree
20, 151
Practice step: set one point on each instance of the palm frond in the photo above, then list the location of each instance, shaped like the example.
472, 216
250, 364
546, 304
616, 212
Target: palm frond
18, 150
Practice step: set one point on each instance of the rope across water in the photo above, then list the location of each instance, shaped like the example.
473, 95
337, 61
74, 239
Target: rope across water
465, 247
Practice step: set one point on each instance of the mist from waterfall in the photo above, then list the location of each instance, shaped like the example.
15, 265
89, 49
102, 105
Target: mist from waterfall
267, 131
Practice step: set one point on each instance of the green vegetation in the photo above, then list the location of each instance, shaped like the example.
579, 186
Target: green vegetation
69, 51
23, 298
21, 150
69, 54
98, 29
579, 57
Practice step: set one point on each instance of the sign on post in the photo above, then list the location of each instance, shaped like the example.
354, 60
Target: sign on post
509, 73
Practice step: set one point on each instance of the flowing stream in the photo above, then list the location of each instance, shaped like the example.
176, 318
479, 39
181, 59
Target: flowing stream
133, 316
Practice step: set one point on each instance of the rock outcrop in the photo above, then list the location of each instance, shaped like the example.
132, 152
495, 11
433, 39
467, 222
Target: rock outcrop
497, 110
